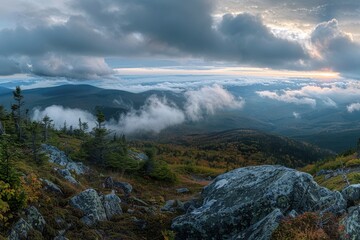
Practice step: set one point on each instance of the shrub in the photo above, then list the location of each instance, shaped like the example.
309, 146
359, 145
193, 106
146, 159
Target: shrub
308, 226
160, 170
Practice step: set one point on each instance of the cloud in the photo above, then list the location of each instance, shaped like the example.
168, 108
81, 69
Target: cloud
172, 28
247, 39
8, 66
328, 94
296, 115
208, 100
70, 66
156, 115
353, 107
288, 97
336, 49
59, 115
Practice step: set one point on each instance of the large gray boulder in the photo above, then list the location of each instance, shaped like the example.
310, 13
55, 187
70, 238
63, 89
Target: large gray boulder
20, 230
351, 193
35, 219
239, 202
111, 204
89, 202
351, 224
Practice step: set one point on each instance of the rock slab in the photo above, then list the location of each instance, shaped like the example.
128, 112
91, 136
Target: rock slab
239, 202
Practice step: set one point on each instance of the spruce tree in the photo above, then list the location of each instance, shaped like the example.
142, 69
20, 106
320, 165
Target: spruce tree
16, 109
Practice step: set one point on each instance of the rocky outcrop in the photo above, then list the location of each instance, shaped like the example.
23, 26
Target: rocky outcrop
20, 230
111, 204
65, 173
96, 208
138, 156
124, 186
247, 203
263, 229
59, 157
33, 220
89, 202
351, 224
52, 187
351, 193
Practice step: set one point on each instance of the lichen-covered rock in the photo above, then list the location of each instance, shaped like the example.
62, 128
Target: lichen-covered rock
90, 203
50, 186
55, 155
351, 224
109, 182
20, 230
78, 167
263, 229
59, 157
35, 219
126, 187
246, 197
111, 204
138, 156
351, 193
169, 205
173, 205
65, 173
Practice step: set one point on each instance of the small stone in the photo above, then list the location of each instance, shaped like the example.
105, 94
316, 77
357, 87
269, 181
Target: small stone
126, 187
50, 186
138, 201
182, 190
169, 206
109, 182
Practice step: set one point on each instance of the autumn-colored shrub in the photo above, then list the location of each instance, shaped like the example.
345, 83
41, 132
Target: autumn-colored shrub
308, 226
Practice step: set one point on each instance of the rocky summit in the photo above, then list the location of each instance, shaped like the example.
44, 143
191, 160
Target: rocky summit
248, 203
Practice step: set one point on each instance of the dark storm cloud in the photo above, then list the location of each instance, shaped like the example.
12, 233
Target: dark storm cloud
91, 30
247, 38
336, 48
189, 27
8, 67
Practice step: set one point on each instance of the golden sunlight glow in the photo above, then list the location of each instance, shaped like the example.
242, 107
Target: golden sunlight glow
230, 71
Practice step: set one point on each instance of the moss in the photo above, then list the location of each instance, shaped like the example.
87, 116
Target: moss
353, 163
35, 235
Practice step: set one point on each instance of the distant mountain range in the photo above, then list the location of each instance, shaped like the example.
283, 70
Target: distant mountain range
331, 128
86, 97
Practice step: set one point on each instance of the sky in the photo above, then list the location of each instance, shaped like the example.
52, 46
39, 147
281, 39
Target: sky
89, 40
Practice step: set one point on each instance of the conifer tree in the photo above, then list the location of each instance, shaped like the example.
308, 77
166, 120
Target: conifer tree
46, 124
16, 109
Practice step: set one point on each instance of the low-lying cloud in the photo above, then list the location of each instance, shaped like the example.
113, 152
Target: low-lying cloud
329, 95
60, 115
353, 107
207, 100
155, 115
